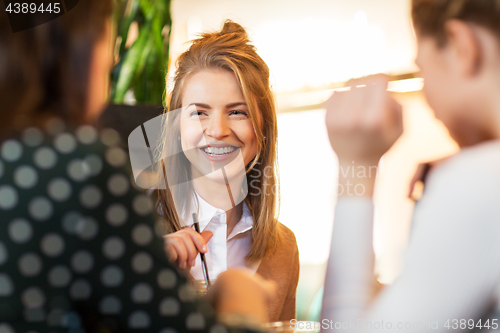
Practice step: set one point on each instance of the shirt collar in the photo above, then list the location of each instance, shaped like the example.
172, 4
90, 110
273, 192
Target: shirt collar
205, 212
244, 224
210, 214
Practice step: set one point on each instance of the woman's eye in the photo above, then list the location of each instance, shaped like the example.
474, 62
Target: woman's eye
196, 113
239, 112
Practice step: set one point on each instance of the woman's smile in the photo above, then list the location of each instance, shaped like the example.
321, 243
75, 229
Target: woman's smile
220, 151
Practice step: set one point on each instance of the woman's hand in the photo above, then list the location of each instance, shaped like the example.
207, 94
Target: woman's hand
184, 245
237, 292
362, 123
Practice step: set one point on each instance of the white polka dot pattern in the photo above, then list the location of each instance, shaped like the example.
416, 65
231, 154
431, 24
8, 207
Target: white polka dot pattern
195, 321
110, 305
142, 235
78, 170
116, 215
142, 204
70, 222
20, 231
90, 196
112, 276
113, 248
82, 262
86, 134
8, 197
141, 293
30, 264
3, 253
11, 150
142, 263
65, 143
94, 164
118, 185
59, 189
170, 307
32, 137
86, 228
25, 177
33, 297
116, 157
139, 319
167, 279
59, 276
6, 286
110, 137
77, 230
45, 158
80, 290
52, 245
40, 208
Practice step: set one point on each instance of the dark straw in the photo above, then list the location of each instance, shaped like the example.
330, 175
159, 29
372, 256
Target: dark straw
202, 255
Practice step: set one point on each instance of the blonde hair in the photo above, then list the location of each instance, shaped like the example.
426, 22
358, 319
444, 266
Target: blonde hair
228, 49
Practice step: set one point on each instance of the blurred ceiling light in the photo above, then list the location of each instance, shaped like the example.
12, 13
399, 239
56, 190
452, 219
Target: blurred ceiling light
309, 100
361, 18
321, 51
405, 86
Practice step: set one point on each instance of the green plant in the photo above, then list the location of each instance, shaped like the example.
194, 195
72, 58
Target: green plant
143, 65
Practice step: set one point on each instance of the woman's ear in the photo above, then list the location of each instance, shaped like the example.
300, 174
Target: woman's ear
466, 49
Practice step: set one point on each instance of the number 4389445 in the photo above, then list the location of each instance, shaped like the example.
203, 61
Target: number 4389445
470, 324
32, 8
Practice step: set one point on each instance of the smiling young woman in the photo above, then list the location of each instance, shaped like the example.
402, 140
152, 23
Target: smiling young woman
220, 133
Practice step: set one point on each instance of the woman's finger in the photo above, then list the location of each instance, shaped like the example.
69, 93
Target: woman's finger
178, 244
197, 239
191, 250
206, 235
171, 253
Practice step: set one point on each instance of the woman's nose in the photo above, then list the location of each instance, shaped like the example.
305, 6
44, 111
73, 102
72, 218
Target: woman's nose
218, 127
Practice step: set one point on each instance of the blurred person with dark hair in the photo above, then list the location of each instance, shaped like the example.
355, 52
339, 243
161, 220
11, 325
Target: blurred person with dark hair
451, 270
78, 246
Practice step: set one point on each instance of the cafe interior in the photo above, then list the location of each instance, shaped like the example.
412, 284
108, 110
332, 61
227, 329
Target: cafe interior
313, 49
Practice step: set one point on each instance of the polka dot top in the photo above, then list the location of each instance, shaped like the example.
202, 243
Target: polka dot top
80, 246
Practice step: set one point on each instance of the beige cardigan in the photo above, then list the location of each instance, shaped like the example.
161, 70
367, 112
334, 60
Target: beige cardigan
282, 266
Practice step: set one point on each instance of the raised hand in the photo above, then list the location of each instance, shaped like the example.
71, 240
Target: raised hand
184, 245
363, 123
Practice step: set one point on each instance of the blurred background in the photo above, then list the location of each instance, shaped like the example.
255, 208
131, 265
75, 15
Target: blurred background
311, 48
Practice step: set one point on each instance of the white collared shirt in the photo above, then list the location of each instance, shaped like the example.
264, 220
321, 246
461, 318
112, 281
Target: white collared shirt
223, 251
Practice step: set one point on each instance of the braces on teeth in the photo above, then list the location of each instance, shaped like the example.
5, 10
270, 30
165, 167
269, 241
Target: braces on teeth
219, 151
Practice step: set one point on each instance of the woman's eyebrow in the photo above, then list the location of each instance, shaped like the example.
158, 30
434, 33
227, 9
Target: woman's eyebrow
201, 105
232, 105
